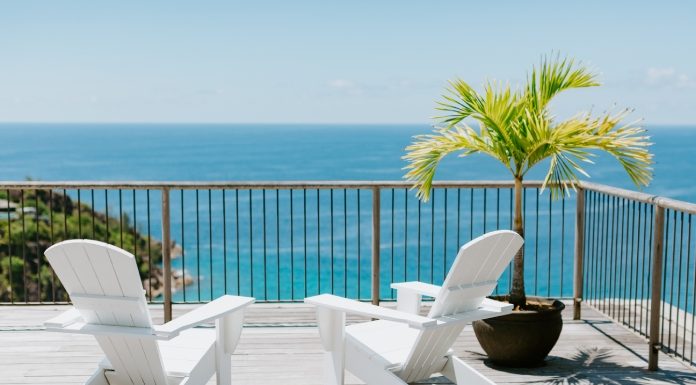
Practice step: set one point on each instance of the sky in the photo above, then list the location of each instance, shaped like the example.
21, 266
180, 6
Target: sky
328, 61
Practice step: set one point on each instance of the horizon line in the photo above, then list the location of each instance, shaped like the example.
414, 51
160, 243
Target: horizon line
675, 125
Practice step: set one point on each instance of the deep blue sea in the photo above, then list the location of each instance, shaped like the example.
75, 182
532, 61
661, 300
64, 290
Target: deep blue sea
274, 265
281, 152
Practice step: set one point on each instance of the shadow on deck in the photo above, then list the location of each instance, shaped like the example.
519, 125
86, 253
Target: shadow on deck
280, 345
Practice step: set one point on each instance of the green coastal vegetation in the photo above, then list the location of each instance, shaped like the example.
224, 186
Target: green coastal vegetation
33, 220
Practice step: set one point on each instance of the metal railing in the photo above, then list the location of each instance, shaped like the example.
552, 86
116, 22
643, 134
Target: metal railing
280, 241
626, 253
638, 265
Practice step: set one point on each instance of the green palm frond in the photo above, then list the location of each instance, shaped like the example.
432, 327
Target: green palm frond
554, 76
517, 129
426, 152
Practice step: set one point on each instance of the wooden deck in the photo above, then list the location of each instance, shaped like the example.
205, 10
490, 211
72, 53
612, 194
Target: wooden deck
280, 345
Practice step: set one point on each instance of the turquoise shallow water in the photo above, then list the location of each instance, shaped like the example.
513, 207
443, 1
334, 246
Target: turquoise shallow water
299, 257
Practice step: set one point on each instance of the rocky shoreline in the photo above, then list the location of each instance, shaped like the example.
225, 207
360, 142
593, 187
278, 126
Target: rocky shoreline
154, 285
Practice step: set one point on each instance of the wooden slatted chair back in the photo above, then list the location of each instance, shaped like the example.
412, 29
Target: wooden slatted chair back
475, 272
473, 276
105, 287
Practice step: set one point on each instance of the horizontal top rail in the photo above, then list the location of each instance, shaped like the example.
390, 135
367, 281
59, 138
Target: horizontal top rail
327, 185
638, 196
252, 185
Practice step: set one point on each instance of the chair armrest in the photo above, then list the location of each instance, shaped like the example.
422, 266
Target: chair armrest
488, 309
368, 310
408, 295
218, 308
496, 306
66, 318
421, 288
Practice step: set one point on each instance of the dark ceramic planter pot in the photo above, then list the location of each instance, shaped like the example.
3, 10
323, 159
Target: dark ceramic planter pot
522, 338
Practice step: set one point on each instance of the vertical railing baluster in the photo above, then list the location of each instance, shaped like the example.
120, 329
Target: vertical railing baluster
359, 246
198, 246
651, 224
604, 273
264, 270
50, 225
418, 254
548, 255
633, 289
210, 241
642, 243
511, 217
166, 256
656, 294
318, 243
444, 240
292, 247
345, 242
106, 212
563, 214
459, 216
135, 231
471, 213
278, 242
24, 252
614, 256
224, 239
39, 254
93, 222
391, 237
236, 229
664, 278
331, 238
579, 253
79, 215
251, 245
693, 294
120, 214
375, 244
183, 241
405, 234
65, 228
432, 236
621, 284
536, 244
304, 235
9, 248
149, 250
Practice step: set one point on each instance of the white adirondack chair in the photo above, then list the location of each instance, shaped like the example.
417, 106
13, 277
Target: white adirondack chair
401, 346
109, 303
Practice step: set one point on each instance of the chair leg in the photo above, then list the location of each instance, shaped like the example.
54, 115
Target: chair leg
461, 373
227, 331
331, 331
98, 378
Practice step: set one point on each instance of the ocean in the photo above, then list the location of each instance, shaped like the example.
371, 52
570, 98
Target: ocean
276, 266
254, 152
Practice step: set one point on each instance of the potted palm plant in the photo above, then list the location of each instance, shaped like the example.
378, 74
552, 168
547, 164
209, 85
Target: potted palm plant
516, 128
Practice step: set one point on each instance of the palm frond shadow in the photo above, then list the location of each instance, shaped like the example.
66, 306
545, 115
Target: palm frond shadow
593, 365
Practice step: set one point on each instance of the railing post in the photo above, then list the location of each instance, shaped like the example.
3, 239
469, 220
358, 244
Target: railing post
579, 253
656, 293
375, 244
166, 256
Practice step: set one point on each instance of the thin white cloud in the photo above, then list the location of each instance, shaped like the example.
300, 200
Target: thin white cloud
668, 77
345, 86
342, 84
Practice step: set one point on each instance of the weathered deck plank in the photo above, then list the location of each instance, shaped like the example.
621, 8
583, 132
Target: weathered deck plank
280, 345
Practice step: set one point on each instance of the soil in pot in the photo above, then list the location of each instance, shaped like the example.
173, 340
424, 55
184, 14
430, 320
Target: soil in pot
523, 338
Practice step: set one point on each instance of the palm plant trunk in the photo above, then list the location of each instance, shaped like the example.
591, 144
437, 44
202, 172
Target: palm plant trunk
517, 293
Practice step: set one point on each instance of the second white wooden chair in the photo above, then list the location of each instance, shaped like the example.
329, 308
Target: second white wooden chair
109, 303
401, 346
